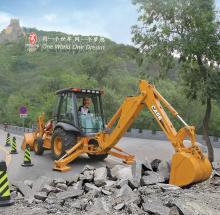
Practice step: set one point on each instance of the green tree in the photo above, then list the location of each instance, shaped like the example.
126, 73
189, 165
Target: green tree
188, 29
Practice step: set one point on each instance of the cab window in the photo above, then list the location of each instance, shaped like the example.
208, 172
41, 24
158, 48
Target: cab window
67, 108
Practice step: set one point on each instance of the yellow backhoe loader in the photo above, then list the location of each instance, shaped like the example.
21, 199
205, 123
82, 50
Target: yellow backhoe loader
79, 127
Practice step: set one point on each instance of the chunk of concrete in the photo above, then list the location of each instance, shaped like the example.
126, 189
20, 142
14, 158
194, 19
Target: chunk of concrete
216, 165
61, 186
189, 207
47, 188
58, 181
78, 185
109, 183
216, 182
73, 179
99, 208
137, 170
146, 165
133, 183
175, 211
87, 167
89, 186
215, 173
168, 187
152, 178
25, 190
155, 164
106, 192
121, 172
145, 190
40, 182
120, 183
76, 205
134, 209
164, 169
87, 176
155, 207
18, 196
128, 195
100, 176
40, 196
57, 190
69, 194
119, 206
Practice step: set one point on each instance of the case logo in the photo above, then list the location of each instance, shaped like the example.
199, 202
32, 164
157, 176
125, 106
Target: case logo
159, 117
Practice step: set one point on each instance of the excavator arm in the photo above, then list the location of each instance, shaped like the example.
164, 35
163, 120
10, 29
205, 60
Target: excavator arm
151, 99
189, 165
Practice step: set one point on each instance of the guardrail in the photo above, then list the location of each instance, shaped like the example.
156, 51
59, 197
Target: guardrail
159, 135
135, 133
16, 129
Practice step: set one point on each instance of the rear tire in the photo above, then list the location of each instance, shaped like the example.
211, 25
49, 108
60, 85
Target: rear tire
98, 157
38, 146
62, 141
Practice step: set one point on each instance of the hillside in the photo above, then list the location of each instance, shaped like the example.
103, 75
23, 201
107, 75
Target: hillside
31, 79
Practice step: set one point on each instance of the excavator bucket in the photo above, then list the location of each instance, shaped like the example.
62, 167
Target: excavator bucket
28, 139
188, 169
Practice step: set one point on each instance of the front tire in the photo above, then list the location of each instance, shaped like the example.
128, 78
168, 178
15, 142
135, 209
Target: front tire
38, 146
62, 141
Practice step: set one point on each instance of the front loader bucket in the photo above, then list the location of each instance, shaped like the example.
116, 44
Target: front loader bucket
28, 139
187, 169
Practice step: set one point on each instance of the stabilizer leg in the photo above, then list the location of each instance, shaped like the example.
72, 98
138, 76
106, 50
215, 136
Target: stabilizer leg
127, 158
73, 153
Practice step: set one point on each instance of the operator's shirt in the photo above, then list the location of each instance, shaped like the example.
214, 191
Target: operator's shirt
84, 110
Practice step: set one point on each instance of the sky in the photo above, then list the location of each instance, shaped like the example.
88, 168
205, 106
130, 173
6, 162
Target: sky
109, 18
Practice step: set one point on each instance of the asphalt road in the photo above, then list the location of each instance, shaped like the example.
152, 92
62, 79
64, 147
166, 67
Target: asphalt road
141, 148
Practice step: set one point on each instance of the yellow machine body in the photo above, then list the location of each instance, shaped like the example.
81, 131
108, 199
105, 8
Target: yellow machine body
28, 139
188, 166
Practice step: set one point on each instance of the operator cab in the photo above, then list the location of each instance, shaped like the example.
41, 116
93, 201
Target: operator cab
80, 110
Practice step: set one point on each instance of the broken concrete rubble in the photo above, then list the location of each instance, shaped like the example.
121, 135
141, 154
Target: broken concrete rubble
146, 165
95, 191
88, 187
121, 172
164, 169
100, 176
155, 163
87, 175
152, 178
69, 194
99, 208
47, 188
61, 186
216, 165
119, 206
40, 196
137, 170
128, 195
155, 207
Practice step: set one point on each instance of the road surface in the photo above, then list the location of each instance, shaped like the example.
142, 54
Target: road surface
141, 148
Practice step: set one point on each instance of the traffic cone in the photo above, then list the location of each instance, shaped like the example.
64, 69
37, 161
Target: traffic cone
27, 156
7, 143
13, 146
5, 194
